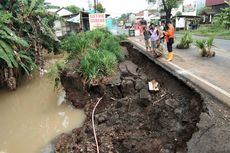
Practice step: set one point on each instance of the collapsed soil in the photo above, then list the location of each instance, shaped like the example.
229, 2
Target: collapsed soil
130, 118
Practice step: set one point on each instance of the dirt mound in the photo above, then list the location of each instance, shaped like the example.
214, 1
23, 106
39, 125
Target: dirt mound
130, 118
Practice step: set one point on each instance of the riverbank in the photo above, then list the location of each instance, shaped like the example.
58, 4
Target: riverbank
130, 118
32, 115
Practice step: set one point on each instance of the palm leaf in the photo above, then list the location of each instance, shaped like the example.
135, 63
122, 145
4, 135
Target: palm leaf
209, 42
9, 52
26, 59
5, 17
9, 34
200, 44
32, 5
49, 30
25, 68
4, 56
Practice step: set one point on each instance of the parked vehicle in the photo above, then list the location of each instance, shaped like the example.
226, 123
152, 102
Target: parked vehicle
128, 25
140, 24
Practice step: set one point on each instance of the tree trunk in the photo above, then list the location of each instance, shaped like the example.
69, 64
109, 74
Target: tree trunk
168, 15
11, 80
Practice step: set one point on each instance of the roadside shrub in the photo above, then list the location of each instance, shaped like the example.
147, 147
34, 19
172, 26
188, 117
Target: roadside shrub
185, 41
98, 52
97, 64
205, 47
111, 44
223, 17
75, 43
121, 37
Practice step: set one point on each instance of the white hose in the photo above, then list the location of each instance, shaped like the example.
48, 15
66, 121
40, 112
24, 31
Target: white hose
94, 131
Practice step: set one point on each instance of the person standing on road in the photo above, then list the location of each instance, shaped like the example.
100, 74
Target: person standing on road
169, 38
154, 38
162, 28
147, 39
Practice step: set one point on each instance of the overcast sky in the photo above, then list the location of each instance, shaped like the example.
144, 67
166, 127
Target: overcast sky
113, 7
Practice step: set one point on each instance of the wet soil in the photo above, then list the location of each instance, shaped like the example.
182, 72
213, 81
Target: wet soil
130, 118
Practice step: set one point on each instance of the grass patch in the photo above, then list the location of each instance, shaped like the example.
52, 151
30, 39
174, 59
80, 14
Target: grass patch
56, 68
98, 64
98, 52
217, 31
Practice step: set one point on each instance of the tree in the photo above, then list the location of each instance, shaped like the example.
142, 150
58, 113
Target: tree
223, 18
25, 29
73, 9
168, 5
100, 8
10, 59
124, 17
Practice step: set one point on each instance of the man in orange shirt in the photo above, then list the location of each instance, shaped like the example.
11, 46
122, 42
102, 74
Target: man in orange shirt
169, 38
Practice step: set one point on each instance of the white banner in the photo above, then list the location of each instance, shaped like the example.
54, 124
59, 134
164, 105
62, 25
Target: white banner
180, 22
97, 20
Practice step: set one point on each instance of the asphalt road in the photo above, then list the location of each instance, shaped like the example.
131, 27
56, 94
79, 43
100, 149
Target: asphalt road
220, 66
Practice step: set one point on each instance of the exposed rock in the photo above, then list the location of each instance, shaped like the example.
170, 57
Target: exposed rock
127, 87
123, 69
145, 98
139, 84
127, 67
115, 80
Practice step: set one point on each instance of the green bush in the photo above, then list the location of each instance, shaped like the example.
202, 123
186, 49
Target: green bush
97, 64
96, 37
223, 18
75, 43
98, 52
205, 47
121, 37
111, 44
56, 68
185, 41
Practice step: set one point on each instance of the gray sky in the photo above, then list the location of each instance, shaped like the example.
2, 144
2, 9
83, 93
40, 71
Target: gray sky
113, 7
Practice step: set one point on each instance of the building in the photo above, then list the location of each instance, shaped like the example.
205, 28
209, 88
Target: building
186, 15
70, 22
216, 5
212, 7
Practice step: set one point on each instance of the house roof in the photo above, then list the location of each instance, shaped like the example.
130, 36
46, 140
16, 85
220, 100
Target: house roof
75, 19
214, 2
61, 12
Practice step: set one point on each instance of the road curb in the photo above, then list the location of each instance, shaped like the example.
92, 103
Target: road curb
189, 78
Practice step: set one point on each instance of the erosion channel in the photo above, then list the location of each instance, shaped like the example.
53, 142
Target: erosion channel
130, 118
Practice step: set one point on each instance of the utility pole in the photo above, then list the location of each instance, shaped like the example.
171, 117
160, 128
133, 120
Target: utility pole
95, 6
90, 5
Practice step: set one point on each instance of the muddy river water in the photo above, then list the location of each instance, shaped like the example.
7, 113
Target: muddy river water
31, 117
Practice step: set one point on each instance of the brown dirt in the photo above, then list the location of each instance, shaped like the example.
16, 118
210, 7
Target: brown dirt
130, 118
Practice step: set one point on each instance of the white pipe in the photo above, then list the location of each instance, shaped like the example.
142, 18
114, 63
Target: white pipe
94, 131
